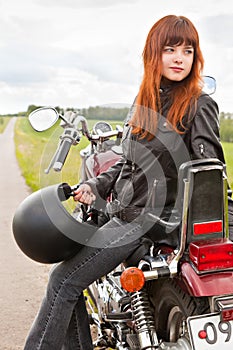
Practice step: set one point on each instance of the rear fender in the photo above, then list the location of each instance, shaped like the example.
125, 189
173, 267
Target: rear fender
208, 284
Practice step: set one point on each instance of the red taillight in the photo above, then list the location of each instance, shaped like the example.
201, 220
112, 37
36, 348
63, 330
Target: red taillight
213, 254
207, 227
132, 279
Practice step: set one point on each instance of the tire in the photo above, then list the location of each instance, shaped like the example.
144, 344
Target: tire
172, 307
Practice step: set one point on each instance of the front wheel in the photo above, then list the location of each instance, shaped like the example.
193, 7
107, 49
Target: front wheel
172, 307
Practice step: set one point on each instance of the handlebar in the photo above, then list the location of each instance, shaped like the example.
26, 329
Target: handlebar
76, 119
62, 154
64, 191
45, 117
69, 137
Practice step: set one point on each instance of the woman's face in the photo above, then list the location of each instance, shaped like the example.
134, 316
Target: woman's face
177, 62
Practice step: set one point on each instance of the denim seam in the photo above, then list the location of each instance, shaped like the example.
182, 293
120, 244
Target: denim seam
47, 320
76, 331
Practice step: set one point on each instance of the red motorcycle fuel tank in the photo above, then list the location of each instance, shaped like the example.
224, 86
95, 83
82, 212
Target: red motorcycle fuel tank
100, 162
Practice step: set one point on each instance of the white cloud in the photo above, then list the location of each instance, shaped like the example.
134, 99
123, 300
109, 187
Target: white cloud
88, 52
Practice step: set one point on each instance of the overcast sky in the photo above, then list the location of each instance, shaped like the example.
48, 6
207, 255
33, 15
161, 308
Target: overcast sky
80, 53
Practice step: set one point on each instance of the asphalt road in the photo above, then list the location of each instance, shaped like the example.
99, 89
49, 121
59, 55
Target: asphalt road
22, 281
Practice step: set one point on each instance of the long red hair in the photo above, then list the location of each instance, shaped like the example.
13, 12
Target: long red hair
169, 30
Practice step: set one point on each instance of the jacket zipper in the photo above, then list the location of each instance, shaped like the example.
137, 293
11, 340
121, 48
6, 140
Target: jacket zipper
201, 148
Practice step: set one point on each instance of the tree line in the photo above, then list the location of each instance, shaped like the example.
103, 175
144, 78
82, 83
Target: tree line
119, 114
98, 113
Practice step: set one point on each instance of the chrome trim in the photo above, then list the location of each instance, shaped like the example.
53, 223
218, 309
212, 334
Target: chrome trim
173, 265
225, 207
224, 302
175, 260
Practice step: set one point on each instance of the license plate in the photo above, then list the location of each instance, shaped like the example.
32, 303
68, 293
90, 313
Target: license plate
208, 332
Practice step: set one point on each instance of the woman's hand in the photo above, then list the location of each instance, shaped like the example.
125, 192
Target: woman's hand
84, 194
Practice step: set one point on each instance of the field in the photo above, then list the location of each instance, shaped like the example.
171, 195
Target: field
34, 151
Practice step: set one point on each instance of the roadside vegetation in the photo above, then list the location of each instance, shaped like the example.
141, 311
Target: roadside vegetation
3, 123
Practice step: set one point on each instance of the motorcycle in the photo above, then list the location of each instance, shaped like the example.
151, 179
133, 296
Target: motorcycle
163, 297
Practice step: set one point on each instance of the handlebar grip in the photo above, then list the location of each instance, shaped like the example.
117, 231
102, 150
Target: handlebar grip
62, 154
64, 191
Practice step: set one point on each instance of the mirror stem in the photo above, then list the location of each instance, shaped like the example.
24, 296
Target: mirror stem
65, 120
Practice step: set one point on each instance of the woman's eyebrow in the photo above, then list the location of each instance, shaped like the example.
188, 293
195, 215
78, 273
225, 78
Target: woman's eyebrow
185, 46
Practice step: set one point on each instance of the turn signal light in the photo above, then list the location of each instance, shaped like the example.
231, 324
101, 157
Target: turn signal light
215, 254
132, 279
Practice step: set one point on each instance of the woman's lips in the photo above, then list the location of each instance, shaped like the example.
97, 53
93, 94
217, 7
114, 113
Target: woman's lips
177, 69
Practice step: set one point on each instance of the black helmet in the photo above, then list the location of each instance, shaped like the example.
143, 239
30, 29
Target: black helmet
45, 231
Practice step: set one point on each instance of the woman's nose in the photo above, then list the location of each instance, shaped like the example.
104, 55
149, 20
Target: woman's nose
178, 59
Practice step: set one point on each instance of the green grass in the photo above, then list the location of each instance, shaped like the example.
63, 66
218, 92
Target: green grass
3, 123
228, 151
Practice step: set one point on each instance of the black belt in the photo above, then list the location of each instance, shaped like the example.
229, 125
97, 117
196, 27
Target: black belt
129, 214
126, 214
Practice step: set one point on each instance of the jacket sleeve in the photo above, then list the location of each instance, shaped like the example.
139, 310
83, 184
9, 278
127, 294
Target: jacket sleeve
205, 138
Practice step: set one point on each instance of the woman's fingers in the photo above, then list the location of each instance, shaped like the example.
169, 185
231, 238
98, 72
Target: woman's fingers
84, 194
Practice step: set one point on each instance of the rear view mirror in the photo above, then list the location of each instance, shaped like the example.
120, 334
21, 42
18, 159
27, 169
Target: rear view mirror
209, 85
43, 118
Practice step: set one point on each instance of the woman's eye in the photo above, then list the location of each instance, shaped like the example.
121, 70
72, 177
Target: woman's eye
168, 49
189, 51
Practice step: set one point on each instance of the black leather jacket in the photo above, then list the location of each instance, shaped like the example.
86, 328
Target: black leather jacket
146, 175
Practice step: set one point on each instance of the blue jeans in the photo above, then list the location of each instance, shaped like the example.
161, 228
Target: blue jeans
62, 322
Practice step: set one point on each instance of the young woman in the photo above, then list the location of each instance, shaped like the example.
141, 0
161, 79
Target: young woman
171, 121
